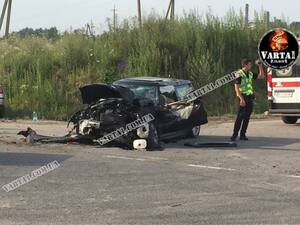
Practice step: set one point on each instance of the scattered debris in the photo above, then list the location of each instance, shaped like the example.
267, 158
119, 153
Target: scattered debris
210, 144
109, 108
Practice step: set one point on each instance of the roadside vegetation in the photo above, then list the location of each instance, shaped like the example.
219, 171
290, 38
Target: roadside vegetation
43, 74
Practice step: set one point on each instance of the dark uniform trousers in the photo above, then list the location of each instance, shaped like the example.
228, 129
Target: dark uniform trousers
243, 116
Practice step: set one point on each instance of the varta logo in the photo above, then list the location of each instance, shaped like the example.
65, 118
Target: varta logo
278, 49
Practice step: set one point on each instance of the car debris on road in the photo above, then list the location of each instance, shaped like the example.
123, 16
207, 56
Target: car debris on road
109, 107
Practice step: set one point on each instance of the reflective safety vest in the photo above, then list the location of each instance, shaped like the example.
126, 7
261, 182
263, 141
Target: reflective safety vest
246, 87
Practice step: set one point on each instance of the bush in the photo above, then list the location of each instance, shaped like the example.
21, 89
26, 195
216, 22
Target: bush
44, 76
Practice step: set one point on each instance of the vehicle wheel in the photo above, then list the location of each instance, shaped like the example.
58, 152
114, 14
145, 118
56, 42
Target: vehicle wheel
153, 142
2, 110
289, 119
195, 132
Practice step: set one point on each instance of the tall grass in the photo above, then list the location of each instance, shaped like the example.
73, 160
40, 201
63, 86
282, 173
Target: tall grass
44, 76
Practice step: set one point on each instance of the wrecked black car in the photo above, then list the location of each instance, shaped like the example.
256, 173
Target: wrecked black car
111, 107
134, 113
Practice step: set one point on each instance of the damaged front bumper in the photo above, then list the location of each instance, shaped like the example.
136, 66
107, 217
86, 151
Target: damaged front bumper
110, 109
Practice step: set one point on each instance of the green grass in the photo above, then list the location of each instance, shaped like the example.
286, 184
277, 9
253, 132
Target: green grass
44, 76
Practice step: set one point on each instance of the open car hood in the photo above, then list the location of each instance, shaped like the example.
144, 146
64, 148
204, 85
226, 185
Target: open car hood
93, 92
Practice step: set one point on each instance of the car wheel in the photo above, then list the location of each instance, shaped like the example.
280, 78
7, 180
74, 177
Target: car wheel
2, 110
289, 119
195, 132
153, 142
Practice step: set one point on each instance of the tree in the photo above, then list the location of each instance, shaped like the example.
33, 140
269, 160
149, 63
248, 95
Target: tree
50, 34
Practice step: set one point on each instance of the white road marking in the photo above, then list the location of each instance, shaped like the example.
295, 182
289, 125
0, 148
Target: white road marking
211, 167
139, 159
123, 157
293, 176
190, 165
156, 158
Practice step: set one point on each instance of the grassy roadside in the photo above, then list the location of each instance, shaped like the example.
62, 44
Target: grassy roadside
44, 75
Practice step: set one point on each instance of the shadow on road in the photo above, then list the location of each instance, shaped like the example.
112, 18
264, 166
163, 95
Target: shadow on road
29, 159
265, 143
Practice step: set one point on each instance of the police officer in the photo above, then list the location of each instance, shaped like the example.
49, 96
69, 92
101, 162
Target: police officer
244, 92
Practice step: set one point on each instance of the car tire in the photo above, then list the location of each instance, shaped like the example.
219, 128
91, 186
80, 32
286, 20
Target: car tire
194, 132
289, 119
153, 142
2, 111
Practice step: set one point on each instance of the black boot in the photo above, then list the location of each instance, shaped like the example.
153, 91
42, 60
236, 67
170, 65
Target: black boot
233, 137
243, 137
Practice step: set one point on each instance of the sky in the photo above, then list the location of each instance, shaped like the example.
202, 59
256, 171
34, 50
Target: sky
65, 14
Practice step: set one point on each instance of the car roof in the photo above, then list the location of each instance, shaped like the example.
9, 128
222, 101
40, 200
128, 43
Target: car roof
152, 81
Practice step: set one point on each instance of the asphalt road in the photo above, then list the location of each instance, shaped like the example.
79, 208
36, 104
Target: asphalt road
256, 183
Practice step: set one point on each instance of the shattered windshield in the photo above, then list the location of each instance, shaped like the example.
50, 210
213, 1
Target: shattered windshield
168, 94
146, 91
183, 90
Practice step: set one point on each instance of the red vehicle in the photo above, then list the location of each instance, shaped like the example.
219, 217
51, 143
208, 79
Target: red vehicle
284, 93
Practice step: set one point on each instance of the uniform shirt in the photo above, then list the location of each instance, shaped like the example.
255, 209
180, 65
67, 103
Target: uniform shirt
239, 80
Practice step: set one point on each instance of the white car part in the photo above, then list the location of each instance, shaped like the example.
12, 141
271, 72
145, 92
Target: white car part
140, 144
143, 131
86, 126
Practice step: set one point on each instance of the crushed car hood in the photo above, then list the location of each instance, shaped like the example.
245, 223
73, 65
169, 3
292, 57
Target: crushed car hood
93, 92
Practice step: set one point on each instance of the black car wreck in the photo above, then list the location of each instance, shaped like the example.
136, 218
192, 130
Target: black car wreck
110, 108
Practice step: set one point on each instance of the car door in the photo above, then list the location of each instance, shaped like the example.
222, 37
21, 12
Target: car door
195, 112
167, 118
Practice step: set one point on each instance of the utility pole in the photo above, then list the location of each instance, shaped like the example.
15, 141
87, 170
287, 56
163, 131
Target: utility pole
171, 10
247, 15
139, 13
114, 19
90, 30
267, 18
3, 13
6, 7
8, 18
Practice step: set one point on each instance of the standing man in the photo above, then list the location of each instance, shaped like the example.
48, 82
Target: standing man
244, 91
